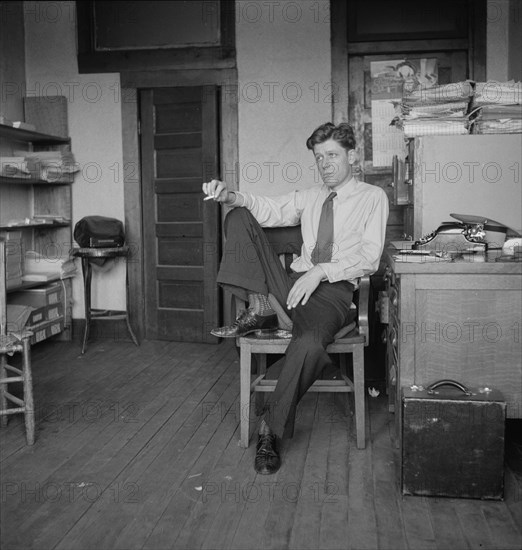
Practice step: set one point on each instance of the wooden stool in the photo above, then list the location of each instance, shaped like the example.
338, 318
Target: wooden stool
9, 344
86, 255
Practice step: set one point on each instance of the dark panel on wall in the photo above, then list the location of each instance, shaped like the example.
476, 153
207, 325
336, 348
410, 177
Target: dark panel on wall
375, 20
134, 25
148, 35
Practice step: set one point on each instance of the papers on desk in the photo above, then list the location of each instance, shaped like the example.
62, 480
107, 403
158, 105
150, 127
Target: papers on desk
421, 256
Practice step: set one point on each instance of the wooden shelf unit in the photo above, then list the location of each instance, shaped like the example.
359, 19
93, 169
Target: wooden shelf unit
27, 198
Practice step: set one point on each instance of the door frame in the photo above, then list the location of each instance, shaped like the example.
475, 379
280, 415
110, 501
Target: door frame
131, 82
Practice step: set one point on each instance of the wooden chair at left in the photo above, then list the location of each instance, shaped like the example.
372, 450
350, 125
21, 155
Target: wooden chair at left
350, 340
9, 374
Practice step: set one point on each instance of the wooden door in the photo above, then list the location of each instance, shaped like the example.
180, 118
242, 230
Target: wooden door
181, 233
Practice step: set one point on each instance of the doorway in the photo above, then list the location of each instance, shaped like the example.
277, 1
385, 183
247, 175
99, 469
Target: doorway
179, 148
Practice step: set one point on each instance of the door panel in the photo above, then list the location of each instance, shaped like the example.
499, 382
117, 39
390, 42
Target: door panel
179, 147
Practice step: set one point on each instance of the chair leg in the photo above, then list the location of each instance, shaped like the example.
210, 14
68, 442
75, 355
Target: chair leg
28, 393
358, 383
260, 396
3, 388
343, 367
245, 363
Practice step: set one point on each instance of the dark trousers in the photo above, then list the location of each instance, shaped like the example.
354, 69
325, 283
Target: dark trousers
250, 265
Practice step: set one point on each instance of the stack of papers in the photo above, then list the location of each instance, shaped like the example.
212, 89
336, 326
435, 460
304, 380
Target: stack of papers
42, 268
445, 93
42, 219
436, 127
497, 108
14, 167
440, 110
13, 258
51, 166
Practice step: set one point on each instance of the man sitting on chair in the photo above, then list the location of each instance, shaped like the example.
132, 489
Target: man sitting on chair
343, 224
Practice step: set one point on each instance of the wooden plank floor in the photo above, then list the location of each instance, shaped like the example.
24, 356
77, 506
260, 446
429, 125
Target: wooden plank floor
138, 448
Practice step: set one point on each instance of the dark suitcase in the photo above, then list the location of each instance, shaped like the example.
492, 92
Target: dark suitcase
453, 441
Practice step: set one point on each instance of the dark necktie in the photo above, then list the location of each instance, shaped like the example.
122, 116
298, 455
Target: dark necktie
322, 252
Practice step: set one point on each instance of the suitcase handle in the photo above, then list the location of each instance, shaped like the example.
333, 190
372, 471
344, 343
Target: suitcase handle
431, 389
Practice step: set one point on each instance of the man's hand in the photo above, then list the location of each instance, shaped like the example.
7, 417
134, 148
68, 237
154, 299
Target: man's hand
216, 190
304, 287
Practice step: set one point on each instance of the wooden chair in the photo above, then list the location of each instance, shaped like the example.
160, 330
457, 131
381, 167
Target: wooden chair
10, 344
351, 339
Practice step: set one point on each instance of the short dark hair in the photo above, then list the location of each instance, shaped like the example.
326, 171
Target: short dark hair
343, 134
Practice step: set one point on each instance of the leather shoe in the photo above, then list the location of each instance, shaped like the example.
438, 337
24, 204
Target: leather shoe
247, 321
267, 459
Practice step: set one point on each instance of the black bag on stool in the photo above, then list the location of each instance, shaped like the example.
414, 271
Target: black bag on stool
99, 232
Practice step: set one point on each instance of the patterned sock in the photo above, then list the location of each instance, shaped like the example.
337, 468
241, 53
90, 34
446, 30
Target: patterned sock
259, 304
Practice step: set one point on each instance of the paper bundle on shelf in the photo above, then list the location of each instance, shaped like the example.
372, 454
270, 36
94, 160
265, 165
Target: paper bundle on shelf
51, 166
440, 110
14, 167
14, 263
497, 108
41, 268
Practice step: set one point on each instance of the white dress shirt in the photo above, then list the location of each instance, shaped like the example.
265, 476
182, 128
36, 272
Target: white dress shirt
360, 214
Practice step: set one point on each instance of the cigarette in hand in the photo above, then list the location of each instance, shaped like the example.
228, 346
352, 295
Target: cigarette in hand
208, 198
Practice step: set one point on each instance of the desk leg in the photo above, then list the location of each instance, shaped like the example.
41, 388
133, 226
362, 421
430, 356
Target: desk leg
87, 275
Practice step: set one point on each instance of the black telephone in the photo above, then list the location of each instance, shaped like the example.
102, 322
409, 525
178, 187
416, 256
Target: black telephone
454, 238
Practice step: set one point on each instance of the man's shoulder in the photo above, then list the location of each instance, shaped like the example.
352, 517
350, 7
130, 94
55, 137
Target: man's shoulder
369, 188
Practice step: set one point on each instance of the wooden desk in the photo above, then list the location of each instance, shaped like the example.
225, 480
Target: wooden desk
458, 320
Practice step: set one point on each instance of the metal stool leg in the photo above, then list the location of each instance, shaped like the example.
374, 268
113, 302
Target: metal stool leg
129, 328
86, 255
87, 276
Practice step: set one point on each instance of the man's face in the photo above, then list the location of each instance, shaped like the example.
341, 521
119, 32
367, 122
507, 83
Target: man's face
334, 163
